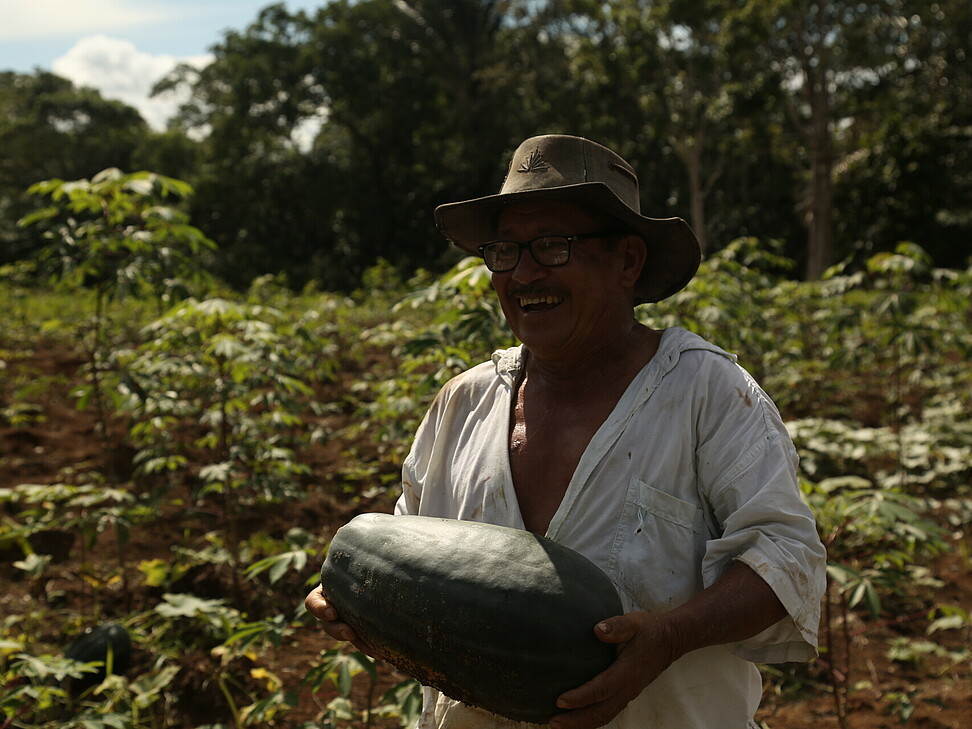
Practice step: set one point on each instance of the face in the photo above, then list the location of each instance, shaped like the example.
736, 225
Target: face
571, 310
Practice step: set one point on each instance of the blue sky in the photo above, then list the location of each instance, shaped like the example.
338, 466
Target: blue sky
121, 47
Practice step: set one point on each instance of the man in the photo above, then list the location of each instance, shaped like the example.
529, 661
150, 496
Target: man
650, 452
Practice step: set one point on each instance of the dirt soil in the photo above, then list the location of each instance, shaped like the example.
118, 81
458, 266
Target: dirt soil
928, 691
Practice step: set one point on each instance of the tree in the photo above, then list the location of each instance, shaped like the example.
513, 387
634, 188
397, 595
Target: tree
119, 234
258, 184
907, 174
694, 93
331, 138
49, 129
826, 54
655, 84
325, 140
460, 84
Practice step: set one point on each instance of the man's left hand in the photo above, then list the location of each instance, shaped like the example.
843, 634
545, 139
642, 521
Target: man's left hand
646, 647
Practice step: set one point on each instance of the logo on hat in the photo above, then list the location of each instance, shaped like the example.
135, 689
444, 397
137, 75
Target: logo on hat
534, 163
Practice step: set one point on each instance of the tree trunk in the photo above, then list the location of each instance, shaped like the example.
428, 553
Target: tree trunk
692, 159
817, 74
820, 236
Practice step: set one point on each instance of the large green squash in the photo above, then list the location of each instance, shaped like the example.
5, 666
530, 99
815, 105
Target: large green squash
491, 616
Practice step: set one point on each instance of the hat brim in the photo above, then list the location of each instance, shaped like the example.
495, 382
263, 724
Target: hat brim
673, 250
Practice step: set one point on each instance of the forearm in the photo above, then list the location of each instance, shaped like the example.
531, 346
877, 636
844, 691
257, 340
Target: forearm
738, 606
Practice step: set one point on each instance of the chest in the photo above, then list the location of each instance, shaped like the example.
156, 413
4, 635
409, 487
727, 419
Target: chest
546, 443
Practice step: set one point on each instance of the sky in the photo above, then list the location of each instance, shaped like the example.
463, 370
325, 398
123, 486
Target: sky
122, 47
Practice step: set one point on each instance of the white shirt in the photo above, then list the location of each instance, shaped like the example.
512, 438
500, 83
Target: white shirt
693, 469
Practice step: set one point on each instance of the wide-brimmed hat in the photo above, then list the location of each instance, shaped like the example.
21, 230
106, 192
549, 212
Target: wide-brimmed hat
576, 170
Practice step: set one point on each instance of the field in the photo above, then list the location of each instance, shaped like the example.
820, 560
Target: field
179, 468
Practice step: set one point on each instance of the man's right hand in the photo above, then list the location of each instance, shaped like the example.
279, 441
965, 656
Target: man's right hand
318, 606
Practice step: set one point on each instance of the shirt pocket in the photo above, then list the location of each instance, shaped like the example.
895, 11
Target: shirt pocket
657, 555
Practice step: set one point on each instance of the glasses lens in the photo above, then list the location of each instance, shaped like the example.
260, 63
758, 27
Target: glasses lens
552, 250
501, 255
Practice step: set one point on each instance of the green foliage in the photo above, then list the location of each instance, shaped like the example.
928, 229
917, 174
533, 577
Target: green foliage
298, 547
854, 116
818, 347
33, 682
33, 694
86, 509
222, 379
339, 668
221, 398
877, 540
49, 128
462, 325
116, 233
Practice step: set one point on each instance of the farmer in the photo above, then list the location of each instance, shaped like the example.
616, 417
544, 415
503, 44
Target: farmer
650, 452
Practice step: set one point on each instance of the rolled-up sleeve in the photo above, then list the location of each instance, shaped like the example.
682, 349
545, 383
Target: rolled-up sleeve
761, 520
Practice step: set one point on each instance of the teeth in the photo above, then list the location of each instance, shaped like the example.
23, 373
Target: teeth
532, 300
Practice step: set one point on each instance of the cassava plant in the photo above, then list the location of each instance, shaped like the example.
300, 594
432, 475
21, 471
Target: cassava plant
877, 540
118, 235
462, 325
73, 515
340, 668
220, 382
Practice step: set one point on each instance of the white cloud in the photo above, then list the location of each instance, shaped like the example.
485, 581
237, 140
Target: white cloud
120, 71
37, 19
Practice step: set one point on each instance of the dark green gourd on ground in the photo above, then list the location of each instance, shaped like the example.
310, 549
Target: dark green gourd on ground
491, 616
107, 643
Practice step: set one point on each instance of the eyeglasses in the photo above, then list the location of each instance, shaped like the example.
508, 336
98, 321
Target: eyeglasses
547, 250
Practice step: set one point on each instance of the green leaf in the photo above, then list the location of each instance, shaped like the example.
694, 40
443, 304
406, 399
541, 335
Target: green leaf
344, 676
156, 571
187, 606
34, 564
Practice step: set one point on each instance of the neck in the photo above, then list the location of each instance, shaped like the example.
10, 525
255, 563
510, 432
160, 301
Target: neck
621, 358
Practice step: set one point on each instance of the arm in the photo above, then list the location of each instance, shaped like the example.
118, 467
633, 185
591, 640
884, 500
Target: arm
734, 608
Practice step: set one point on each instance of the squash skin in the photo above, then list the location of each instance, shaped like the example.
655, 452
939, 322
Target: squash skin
494, 617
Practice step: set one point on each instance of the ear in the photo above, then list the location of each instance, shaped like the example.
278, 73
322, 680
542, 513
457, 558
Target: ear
635, 254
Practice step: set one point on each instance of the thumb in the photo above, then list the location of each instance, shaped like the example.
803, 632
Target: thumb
617, 629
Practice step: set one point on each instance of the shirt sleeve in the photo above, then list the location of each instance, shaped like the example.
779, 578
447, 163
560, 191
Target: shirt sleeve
412, 467
427, 469
747, 474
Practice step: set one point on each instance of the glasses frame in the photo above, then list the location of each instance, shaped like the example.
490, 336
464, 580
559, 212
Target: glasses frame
570, 239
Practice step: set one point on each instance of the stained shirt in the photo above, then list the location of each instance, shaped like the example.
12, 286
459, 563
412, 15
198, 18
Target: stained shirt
692, 470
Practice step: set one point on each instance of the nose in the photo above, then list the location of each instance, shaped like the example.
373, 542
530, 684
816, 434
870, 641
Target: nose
527, 269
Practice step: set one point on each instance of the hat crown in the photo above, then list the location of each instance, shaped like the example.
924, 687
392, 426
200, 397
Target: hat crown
559, 161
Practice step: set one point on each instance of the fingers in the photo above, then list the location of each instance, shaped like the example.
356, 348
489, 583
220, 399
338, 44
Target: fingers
318, 606
638, 662
598, 690
595, 703
617, 629
589, 717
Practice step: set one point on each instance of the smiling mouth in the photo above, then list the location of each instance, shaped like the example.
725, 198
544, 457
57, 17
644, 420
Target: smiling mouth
539, 303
